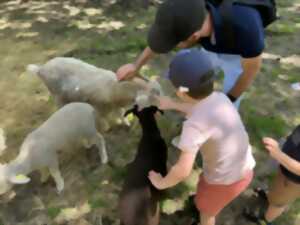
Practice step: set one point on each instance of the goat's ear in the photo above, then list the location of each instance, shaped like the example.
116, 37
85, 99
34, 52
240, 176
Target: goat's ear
128, 112
156, 109
19, 179
161, 112
134, 110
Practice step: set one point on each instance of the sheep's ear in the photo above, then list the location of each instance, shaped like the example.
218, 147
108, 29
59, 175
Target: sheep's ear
19, 179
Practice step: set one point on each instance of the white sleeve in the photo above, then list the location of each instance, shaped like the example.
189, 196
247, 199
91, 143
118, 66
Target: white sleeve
191, 138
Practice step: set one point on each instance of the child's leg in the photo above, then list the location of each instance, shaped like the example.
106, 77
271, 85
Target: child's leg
282, 193
273, 212
207, 219
212, 198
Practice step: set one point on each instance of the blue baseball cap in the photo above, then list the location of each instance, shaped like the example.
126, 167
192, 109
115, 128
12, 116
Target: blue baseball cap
191, 70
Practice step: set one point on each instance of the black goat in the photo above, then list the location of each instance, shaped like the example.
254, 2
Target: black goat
139, 199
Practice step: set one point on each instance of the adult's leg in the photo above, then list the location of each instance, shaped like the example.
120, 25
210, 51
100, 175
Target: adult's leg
232, 68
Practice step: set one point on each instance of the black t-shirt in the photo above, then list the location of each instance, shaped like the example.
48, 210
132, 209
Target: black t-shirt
292, 148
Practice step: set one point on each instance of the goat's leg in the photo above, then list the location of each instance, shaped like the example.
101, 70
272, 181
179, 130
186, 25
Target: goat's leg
98, 139
154, 219
55, 173
44, 174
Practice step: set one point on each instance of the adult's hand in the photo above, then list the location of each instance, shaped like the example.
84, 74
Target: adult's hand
129, 70
126, 71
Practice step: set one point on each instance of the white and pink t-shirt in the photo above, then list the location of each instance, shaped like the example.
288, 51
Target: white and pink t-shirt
214, 128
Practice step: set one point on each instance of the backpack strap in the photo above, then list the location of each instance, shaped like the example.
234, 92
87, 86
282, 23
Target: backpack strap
227, 30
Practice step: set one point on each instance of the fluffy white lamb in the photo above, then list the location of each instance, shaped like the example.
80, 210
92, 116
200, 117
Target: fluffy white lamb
72, 125
70, 79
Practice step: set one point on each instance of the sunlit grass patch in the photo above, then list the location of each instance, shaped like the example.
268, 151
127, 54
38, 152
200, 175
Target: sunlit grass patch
283, 27
170, 206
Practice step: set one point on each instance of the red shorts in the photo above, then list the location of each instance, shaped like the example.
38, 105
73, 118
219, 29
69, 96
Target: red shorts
211, 198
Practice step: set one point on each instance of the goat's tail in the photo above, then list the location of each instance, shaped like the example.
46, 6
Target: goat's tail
33, 69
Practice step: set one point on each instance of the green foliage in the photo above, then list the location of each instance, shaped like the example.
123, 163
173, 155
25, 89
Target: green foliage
286, 28
98, 203
53, 212
259, 126
119, 173
170, 206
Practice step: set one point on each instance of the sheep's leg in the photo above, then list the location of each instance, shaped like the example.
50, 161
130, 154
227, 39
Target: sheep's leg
58, 101
55, 173
44, 174
98, 139
87, 144
103, 125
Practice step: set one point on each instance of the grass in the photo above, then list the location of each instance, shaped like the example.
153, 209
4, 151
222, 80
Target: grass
98, 203
53, 212
261, 125
266, 110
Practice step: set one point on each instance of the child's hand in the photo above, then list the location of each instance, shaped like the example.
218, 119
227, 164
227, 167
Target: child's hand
165, 102
272, 146
156, 179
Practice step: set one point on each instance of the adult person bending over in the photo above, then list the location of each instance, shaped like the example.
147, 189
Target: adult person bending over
185, 23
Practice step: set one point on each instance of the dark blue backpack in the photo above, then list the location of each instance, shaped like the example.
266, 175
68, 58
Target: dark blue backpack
266, 8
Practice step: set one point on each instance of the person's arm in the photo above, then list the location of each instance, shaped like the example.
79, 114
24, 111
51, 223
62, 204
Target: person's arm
146, 55
166, 103
251, 67
130, 70
179, 172
289, 163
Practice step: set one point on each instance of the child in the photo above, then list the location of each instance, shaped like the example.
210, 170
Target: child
214, 128
286, 186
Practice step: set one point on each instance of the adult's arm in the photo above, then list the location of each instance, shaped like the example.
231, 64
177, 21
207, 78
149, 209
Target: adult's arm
131, 69
251, 67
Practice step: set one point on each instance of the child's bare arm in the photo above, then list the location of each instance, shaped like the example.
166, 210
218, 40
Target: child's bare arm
166, 103
289, 163
177, 173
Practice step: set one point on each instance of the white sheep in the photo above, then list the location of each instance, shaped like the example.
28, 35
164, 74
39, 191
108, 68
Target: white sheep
70, 79
73, 124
